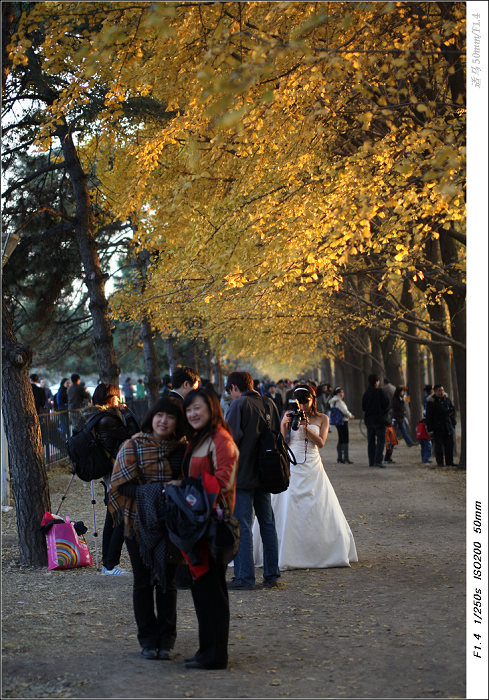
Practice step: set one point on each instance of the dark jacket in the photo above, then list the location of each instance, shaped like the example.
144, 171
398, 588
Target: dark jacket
246, 418
278, 401
375, 404
398, 405
77, 396
62, 398
440, 415
39, 397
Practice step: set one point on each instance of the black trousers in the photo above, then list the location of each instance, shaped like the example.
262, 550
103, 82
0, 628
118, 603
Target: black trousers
376, 441
211, 602
343, 433
443, 447
156, 629
112, 541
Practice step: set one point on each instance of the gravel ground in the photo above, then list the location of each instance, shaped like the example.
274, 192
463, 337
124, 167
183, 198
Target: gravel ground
391, 626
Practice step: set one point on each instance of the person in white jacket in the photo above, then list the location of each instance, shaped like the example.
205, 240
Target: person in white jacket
339, 416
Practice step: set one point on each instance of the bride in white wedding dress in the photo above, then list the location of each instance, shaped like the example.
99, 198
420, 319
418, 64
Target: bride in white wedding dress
312, 530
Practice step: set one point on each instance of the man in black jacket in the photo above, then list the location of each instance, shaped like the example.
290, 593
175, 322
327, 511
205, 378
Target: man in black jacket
375, 404
273, 394
183, 381
246, 418
440, 422
39, 395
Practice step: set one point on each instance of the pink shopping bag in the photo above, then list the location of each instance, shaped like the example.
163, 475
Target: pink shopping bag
66, 549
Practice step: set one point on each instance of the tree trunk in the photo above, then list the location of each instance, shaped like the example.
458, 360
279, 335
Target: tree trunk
392, 360
142, 262
440, 353
455, 392
218, 375
339, 374
94, 278
367, 359
326, 370
170, 354
429, 367
29, 478
414, 378
377, 356
353, 390
456, 303
150, 360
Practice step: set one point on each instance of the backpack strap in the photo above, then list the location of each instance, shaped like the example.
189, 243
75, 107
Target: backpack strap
268, 415
93, 420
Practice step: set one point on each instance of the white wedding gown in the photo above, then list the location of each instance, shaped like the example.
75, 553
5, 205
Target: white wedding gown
312, 530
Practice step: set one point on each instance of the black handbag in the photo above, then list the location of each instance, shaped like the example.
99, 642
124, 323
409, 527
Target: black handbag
223, 534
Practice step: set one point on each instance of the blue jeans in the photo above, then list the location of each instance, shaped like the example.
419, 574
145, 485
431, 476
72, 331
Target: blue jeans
426, 450
402, 427
244, 565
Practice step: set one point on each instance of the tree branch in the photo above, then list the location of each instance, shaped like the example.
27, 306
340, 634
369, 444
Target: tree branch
26, 180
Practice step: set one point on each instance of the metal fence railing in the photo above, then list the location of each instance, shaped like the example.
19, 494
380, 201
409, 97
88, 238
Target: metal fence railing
57, 427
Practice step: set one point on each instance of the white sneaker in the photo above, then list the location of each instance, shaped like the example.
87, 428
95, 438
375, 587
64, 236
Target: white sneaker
116, 571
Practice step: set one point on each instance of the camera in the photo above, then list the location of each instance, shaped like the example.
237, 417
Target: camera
296, 414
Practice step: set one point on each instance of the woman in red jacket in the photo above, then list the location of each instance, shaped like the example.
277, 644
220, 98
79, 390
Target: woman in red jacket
211, 449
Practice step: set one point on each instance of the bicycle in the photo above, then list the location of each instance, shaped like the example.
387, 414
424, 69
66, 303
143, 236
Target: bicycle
363, 427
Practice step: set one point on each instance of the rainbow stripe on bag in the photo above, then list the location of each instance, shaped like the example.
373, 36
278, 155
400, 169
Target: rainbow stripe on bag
67, 554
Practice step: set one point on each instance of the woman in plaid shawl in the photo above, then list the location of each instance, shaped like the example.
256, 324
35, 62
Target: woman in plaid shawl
154, 455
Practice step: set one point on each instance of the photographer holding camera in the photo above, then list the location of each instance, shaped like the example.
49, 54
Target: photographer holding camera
302, 412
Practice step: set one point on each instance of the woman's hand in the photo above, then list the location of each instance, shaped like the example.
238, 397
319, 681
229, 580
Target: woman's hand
174, 482
285, 425
286, 420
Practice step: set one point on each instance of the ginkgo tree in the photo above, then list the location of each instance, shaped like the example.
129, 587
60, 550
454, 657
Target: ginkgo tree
278, 148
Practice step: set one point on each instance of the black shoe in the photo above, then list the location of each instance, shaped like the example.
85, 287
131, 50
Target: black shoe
199, 664
379, 464
190, 658
237, 585
340, 461
149, 653
348, 461
193, 663
271, 583
164, 654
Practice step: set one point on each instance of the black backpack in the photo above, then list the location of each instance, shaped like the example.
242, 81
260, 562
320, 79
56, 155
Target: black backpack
274, 458
90, 460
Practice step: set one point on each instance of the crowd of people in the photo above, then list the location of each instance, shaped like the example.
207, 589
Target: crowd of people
386, 411
184, 436
191, 432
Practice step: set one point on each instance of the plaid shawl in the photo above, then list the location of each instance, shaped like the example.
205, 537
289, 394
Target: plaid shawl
141, 460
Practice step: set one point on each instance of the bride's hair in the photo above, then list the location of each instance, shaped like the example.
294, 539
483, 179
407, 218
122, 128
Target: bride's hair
305, 391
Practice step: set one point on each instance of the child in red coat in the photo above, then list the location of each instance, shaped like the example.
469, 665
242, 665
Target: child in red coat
424, 441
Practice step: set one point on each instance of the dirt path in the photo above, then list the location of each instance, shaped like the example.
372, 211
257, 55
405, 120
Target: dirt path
391, 626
